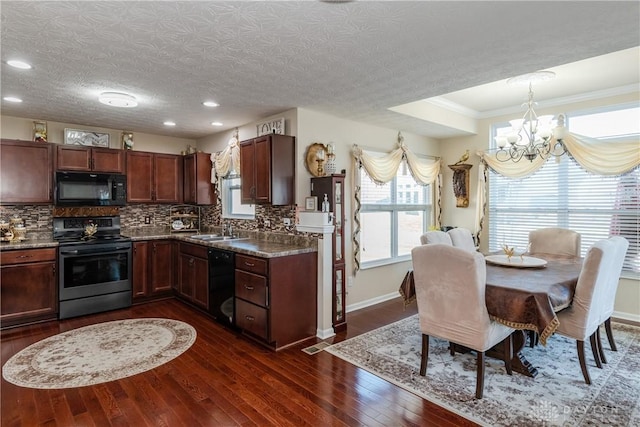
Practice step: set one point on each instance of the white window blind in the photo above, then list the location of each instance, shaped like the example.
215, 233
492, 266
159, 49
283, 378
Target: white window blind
562, 194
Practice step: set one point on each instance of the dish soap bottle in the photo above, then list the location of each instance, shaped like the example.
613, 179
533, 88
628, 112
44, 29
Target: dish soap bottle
325, 203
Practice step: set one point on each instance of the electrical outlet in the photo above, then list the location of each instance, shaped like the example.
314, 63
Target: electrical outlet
287, 221
349, 281
147, 220
267, 223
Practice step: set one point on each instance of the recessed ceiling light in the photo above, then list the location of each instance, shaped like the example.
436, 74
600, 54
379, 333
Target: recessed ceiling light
12, 99
169, 123
19, 64
117, 99
216, 124
210, 104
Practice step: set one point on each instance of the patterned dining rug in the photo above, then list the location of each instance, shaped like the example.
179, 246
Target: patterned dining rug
557, 396
99, 353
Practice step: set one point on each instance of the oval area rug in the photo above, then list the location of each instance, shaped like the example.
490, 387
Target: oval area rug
99, 353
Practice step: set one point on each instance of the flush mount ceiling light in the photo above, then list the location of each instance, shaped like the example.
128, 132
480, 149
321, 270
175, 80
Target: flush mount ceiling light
216, 124
117, 99
19, 64
169, 123
210, 104
12, 99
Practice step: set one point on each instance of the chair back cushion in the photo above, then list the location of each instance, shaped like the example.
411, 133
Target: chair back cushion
621, 245
462, 238
450, 293
555, 241
436, 236
582, 318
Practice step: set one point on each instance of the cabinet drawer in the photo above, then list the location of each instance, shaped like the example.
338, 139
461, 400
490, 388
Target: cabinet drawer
251, 287
27, 255
252, 318
195, 250
252, 264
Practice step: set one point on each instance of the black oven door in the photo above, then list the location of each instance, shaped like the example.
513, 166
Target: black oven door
89, 270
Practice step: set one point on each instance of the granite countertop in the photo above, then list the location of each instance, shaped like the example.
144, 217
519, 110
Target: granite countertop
29, 244
260, 247
264, 248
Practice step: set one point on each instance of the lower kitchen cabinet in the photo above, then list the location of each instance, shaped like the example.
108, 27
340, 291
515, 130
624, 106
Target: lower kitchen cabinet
153, 275
193, 274
276, 298
28, 286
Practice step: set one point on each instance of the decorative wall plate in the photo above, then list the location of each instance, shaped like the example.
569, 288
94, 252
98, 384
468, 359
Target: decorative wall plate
311, 158
177, 224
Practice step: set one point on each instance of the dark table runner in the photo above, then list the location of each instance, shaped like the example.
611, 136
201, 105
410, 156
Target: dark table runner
524, 298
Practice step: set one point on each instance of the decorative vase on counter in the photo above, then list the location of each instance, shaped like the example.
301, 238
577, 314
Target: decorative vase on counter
330, 164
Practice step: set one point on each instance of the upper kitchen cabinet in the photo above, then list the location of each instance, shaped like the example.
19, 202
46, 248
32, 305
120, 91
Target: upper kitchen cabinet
76, 158
198, 189
25, 172
267, 170
154, 177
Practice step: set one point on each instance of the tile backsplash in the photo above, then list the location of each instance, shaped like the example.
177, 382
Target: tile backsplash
268, 219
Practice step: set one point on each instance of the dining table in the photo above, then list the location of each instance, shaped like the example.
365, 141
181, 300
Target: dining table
524, 294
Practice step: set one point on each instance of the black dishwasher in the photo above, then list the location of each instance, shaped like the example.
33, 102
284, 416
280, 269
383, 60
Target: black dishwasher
221, 286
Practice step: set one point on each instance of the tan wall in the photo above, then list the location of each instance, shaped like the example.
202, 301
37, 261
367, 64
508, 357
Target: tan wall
628, 296
373, 283
22, 128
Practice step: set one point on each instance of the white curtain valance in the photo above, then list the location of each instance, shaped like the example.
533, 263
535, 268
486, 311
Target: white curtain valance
598, 156
225, 161
382, 169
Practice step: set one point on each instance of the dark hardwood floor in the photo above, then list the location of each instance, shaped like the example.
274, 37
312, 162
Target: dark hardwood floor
224, 379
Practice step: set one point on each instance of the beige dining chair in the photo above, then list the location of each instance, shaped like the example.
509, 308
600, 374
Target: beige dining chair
621, 245
436, 236
554, 241
582, 319
462, 238
450, 292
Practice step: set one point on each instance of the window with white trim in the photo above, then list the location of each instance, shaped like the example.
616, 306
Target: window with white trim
392, 218
564, 195
231, 196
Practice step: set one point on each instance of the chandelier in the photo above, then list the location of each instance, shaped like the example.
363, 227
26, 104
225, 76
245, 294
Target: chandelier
532, 135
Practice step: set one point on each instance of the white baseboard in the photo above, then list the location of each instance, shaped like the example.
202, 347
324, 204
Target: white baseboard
372, 301
630, 317
324, 334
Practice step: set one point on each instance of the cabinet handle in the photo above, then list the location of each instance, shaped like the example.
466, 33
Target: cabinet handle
249, 264
249, 288
24, 256
191, 261
53, 269
250, 318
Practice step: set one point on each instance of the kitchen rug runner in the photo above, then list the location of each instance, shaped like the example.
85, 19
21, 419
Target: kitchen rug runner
99, 353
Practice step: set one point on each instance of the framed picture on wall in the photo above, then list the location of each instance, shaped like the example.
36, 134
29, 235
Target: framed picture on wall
86, 138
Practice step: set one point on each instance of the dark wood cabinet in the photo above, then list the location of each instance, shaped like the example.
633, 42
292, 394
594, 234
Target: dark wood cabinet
193, 274
333, 187
267, 170
276, 298
198, 189
154, 177
28, 286
26, 175
153, 263
74, 158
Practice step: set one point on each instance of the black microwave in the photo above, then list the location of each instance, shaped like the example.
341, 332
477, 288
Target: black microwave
90, 189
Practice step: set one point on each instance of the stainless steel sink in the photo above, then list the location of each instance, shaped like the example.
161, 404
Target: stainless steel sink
216, 237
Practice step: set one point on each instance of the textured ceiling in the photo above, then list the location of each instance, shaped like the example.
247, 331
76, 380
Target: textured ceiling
352, 60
